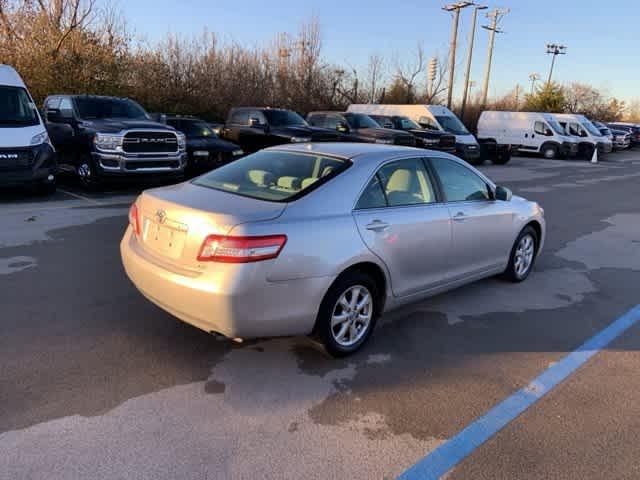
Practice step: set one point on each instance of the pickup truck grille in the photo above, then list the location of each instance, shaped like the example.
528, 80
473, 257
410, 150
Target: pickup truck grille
150, 142
15, 159
407, 140
152, 164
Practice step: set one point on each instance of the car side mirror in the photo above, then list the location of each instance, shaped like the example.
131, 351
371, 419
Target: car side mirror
54, 115
503, 194
342, 127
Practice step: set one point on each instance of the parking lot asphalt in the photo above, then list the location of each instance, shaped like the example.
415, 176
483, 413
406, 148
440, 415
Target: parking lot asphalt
96, 382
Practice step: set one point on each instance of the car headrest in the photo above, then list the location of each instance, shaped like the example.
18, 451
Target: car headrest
261, 178
290, 183
400, 181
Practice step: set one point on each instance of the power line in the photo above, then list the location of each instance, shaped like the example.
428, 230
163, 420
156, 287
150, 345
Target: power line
496, 15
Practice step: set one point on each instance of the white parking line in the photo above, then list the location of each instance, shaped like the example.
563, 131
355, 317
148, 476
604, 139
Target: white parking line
80, 197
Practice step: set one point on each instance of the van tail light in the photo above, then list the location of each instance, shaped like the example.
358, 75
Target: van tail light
227, 249
134, 218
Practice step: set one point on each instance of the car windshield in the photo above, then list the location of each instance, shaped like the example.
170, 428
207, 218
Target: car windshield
90, 108
451, 124
196, 129
360, 120
407, 124
273, 175
16, 108
591, 129
556, 126
284, 118
605, 131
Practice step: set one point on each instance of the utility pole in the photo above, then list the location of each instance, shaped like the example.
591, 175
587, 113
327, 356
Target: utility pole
472, 35
533, 78
495, 16
455, 8
517, 96
554, 50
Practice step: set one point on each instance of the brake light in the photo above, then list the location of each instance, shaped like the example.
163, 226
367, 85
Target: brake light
134, 218
226, 249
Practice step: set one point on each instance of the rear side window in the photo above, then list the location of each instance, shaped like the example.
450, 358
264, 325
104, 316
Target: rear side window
373, 195
274, 176
240, 118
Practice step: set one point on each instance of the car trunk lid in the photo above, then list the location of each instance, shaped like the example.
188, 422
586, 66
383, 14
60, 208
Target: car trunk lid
175, 221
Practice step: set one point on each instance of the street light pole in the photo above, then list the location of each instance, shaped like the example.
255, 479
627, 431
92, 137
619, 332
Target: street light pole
467, 73
554, 50
455, 8
533, 78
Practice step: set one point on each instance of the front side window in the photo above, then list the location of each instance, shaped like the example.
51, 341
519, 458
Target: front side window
459, 184
240, 117
316, 120
92, 108
541, 128
332, 121
591, 129
272, 175
555, 126
16, 108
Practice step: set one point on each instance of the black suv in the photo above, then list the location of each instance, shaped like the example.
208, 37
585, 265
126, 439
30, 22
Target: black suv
254, 128
358, 127
631, 128
100, 137
205, 150
431, 139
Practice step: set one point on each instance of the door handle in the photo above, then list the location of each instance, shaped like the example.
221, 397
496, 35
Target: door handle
460, 217
377, 225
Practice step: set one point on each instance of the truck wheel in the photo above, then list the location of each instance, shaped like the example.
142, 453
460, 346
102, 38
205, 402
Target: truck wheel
549, 152
501, 158
86, 171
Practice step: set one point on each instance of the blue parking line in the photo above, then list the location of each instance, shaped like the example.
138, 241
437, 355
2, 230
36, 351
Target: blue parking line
449, 454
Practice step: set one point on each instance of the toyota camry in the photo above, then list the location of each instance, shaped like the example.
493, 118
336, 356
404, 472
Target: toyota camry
321, 239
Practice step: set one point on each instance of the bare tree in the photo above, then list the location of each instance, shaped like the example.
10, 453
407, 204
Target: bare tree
408, 73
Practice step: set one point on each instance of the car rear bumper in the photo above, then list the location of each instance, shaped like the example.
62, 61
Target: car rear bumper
234, 300
41, 168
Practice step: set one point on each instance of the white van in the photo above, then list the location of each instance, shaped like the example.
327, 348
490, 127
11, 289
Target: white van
431, 117
533, 132
586, 133
26, 154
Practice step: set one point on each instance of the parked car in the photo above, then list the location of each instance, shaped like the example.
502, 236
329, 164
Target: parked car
621, 139
632, 128
205, 150
255, 128
430, 117
431, 139
26, 154
358, 127
604, 130
110, 137
321, 239
588, 136
533, 132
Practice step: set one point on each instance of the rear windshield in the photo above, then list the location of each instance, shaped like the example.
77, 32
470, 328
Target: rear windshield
16, 108
273, 176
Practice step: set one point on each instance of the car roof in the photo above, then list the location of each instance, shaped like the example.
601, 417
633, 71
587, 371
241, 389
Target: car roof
9, 77
347, 150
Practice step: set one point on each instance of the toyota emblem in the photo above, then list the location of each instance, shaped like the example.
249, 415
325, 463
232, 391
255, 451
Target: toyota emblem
161, 215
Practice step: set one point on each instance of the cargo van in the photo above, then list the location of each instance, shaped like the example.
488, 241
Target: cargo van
586, 133
26, 154
533, 132
430, 117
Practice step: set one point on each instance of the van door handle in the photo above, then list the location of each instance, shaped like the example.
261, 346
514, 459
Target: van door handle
460, 217
377, 226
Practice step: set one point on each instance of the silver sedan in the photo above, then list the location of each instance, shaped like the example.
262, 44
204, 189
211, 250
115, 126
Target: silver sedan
321, 239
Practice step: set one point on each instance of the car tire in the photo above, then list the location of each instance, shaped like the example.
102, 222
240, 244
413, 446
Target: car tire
501, 159
86, 172
523, 256
46, 189
549, 152
348, 314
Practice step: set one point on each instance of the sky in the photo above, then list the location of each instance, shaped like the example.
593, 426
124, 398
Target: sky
603, 37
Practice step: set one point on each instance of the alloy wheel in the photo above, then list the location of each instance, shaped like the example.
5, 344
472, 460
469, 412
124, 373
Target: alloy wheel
352, 315
524, 255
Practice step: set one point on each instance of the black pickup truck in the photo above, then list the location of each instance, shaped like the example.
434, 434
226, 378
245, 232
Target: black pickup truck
109, 137
205, 150
431, 139
357, 127
254, 128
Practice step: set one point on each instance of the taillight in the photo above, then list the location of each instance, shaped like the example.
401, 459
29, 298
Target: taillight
134, 218
224, 249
